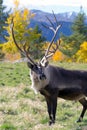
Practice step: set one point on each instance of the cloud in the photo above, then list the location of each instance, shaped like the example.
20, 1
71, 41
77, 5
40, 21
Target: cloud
55, 2
50, 2
49, 5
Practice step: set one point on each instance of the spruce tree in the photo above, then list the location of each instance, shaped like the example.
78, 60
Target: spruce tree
79, 29
3, 17
79, 25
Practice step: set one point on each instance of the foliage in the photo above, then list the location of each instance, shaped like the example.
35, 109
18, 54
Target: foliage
79, 25
36, 45
1, 52
8, 126
3, 17
21, 21
58, 56
72, 43
10, 51
23, 33
81, 55
9, 48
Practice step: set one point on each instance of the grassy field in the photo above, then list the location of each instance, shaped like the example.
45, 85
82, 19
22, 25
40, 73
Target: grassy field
21, 109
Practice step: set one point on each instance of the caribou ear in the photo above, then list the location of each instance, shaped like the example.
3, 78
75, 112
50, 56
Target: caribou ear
30, 65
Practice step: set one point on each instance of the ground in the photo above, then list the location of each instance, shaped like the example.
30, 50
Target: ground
21, 109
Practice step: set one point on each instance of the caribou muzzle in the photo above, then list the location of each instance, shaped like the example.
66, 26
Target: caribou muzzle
39, 71
42, 76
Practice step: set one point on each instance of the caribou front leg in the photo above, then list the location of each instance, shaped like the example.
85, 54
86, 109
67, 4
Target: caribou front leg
51, 106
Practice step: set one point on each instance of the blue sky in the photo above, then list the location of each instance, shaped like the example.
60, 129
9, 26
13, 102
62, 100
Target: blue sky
48, 5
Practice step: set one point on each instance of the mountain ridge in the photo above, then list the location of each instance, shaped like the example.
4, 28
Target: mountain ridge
66, 19
41, 15
41, 18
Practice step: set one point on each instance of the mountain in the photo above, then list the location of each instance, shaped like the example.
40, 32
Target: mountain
40, 19
65, 19
65, 29
41, 16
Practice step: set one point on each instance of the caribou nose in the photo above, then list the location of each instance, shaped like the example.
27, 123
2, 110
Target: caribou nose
42, 77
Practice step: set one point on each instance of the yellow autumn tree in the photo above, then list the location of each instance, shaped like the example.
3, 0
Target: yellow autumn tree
58, 56
21, 22
81, 55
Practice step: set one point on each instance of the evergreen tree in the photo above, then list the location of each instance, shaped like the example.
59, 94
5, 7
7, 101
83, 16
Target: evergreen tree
37, 43
3, 17
79, 25
72, 43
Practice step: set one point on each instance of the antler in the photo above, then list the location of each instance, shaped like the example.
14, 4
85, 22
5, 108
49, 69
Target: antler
49, 53
24, 50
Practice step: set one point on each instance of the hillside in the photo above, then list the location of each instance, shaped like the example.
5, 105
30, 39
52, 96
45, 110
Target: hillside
65, 29
66, 19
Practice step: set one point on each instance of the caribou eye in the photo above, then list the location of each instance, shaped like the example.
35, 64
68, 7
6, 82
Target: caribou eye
35, 68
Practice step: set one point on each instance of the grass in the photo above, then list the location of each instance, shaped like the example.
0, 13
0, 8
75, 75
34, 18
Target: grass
13, 74
21, 109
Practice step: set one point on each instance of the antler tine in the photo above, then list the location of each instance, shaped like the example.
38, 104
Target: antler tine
49, 52
55, 18
54, 49
24, 52
50, 22
44, 61
55, 30
12, 26
55, 33
45, 26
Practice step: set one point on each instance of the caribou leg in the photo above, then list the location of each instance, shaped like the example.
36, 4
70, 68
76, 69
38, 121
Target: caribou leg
49, 109
54, 107
83, 101
51, 105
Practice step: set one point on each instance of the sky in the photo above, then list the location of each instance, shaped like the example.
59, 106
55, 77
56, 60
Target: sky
58, 6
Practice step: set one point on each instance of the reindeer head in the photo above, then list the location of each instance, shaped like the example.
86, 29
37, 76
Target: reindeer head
38, 68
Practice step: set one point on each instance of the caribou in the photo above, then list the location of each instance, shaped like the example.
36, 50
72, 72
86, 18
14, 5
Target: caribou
54, 82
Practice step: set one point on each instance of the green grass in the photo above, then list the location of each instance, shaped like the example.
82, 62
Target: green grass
21, 109
13, 74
